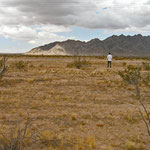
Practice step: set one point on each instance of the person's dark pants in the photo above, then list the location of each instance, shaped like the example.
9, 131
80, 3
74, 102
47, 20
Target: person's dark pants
109, 64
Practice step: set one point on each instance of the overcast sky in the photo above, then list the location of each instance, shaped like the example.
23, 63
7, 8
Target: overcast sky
25, 24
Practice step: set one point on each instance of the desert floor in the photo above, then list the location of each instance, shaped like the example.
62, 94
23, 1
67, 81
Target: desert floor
65, 108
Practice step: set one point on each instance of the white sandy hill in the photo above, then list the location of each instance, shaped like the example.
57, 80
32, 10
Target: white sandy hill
56, 50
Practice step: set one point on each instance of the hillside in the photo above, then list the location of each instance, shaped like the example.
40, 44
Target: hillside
136, 45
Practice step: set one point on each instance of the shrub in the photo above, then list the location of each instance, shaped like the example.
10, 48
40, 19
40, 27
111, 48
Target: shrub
2, 66
0, 63
17, 138
21, 65
78, 63
146, 65
124, 64
129, 75
146, 79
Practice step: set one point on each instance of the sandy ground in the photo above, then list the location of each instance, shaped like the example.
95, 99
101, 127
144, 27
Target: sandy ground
87, 108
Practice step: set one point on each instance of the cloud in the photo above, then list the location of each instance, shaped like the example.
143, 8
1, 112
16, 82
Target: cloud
119, 14
35, 20
34, 35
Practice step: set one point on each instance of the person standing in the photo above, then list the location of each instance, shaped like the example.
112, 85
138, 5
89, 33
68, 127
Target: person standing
109, 60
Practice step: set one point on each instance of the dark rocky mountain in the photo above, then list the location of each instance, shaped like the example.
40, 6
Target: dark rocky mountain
136, 45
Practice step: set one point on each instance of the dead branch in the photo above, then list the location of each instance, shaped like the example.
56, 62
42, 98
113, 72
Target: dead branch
17, 138
139, 99
137, 82
147, 125
3, 65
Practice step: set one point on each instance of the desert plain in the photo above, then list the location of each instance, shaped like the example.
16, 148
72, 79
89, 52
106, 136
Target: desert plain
47, 103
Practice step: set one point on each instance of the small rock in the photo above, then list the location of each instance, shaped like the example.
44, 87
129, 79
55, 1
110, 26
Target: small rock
100, 124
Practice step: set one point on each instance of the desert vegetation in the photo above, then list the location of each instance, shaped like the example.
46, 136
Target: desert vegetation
78, 62
68, 103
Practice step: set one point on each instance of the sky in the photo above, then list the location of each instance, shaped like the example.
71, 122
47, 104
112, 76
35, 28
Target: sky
25, 24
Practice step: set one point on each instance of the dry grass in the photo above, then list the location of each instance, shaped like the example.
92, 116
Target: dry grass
73, 109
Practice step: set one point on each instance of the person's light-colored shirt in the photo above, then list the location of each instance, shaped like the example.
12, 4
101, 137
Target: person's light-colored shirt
109, 57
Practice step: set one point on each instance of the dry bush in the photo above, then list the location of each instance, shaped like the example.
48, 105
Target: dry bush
145, 115
130, 145
129, 74
21, 65
19, 137
146, 79
78, 63
48, 140
134, 76
2, 66
131, 117
25, 136
1, 63
146, 65
124, 64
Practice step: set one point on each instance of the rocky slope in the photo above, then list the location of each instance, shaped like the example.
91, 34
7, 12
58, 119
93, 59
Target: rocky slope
136, 45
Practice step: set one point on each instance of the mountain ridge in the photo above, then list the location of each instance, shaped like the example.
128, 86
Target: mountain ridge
121, 45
